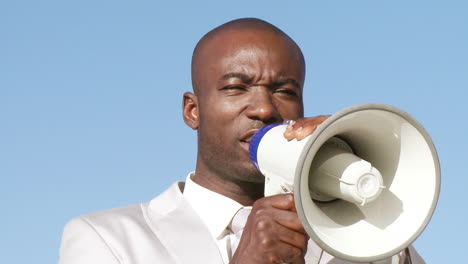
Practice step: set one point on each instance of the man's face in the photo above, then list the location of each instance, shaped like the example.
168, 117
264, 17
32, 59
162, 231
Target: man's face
248, 79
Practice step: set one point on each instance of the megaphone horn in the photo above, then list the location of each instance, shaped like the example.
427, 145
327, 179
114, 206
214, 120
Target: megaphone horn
365, 183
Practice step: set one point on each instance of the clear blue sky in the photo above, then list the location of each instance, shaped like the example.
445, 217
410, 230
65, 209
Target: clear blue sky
90, 99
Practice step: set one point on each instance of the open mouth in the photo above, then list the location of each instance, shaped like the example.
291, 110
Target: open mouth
247, 140
246, 137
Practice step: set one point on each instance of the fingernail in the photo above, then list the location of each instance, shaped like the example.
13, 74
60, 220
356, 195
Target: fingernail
290, 125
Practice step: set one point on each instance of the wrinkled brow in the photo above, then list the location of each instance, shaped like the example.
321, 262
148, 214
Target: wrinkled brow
248, 79
243, 77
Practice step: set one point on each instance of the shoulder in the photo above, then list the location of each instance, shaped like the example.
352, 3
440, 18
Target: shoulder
96, 237
105, 235
104, 222
131, 216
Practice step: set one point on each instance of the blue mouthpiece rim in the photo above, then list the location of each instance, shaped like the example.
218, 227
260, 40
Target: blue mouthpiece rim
255, 141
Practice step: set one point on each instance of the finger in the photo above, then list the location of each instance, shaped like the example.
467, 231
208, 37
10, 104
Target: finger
289, 220
309, 125
306, 131
320, 118
303, 127
301, 261
271, 235
279, 209
280, 201
292, 237
291, 129
284, 253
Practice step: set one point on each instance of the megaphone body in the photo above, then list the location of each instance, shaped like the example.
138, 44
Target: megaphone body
366, 182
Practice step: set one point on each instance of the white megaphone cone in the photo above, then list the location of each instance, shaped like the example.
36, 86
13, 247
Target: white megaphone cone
365, 183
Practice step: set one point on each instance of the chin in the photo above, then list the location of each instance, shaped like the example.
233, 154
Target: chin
253, 175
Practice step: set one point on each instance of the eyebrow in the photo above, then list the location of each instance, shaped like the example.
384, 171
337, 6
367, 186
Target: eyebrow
243, 77
248, 79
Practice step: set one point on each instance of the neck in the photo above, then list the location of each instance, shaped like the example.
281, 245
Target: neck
245, 193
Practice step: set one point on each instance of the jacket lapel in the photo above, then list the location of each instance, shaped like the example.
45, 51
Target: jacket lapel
180, 229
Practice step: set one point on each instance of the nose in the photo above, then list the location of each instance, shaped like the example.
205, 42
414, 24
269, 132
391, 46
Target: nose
262, 107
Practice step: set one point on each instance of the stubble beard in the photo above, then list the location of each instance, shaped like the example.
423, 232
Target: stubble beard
228, 165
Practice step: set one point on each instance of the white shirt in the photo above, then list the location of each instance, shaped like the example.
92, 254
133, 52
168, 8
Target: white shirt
216, 211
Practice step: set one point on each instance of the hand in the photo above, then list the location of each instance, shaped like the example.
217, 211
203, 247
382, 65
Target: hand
273, 233
301, 128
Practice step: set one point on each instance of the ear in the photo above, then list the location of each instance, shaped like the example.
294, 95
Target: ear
190, 110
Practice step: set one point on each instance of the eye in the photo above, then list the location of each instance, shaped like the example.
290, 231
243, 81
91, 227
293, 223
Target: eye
286, 91
234, 89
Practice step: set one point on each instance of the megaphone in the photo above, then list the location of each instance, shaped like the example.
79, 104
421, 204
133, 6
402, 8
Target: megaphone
365, 183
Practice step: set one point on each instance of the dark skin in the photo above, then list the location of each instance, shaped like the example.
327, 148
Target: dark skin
244, 78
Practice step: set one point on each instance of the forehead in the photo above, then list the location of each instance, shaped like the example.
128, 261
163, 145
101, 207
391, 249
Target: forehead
250, 50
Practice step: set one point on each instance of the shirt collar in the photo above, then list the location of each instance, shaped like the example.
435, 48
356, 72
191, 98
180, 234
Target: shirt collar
215, 210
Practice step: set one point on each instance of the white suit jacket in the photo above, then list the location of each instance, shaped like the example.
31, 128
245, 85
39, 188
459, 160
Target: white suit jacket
164, 230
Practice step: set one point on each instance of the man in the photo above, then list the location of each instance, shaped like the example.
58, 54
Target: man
245, 74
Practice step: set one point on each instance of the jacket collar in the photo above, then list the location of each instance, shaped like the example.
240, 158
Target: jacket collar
180, 229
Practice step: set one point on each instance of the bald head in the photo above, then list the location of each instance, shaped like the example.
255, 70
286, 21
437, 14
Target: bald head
235, 34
